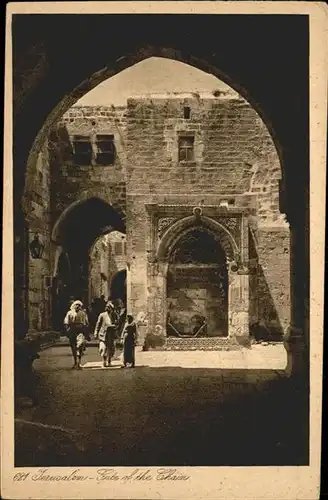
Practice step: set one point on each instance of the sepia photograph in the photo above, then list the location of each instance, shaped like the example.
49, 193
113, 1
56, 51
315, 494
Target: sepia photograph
161, 243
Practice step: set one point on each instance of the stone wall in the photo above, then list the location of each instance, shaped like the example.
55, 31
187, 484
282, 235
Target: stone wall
233, 151
37, 207
107, 257
273, 281
72, 182
99, 270
234, 155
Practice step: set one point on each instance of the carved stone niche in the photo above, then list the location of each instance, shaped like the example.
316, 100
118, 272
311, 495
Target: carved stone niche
234, 220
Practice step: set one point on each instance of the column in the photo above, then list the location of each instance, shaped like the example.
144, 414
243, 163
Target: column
238, 306
21, 259
297, 338
156, 305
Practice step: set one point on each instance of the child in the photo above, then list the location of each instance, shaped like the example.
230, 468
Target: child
129, 342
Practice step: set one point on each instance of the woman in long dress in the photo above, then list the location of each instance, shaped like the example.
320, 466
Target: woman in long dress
76, 323
129, 342
105, 332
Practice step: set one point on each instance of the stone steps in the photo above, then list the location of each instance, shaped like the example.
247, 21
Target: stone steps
201, 344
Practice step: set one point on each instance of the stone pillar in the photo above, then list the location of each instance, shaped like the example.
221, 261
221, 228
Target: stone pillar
21, 256
297, 340
156, 304
151, 294
137, 227
39, 295
238, 306
160, 297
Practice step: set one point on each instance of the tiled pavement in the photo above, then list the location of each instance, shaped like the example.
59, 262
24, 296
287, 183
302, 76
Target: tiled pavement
173, 409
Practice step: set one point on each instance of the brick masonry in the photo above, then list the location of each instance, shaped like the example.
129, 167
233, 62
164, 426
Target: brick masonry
72, 183
107, 258
37, 205
234, 155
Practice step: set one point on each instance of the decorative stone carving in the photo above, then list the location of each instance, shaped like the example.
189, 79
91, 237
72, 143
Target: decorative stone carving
233, 266
163, 224
197, 211
233, 224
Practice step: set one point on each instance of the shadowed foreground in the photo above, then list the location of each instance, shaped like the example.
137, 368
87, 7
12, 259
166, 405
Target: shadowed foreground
161, 416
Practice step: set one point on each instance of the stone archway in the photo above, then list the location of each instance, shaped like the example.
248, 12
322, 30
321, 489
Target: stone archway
75, 231
41, 88
232, 255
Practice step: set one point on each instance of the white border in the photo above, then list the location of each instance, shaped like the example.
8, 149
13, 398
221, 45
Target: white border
222, 482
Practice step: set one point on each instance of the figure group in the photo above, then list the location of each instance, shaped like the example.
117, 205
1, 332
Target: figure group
112, 325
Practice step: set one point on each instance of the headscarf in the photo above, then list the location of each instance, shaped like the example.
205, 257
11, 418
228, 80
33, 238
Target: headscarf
73, 308
76, 303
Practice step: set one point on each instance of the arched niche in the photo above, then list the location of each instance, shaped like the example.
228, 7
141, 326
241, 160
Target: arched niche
197, 285
174, 232
235, 318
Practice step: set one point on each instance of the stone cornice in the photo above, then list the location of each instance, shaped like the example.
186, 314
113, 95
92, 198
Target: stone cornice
207, 210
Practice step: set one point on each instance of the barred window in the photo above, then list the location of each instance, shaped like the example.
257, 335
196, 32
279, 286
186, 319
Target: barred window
186, 113
118, 248
105, 150
186, 148
82, 150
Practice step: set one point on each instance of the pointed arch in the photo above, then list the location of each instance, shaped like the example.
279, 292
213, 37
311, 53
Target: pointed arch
180, 227
102, 216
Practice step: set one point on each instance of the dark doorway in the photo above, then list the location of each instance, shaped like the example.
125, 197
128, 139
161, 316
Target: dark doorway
118, 286
197, 286
61, 290
77, 230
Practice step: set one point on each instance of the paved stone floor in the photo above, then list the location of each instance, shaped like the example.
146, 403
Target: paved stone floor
172, 409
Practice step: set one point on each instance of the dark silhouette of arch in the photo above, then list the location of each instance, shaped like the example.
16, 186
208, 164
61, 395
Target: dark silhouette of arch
196, 245
76, 230
129, 60
85, 220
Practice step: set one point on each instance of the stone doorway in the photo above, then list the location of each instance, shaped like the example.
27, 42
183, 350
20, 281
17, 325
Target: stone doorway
198, 273
117, 289
197, 287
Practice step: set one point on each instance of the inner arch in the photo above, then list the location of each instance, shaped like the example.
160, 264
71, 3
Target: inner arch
76, 231
174, 232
